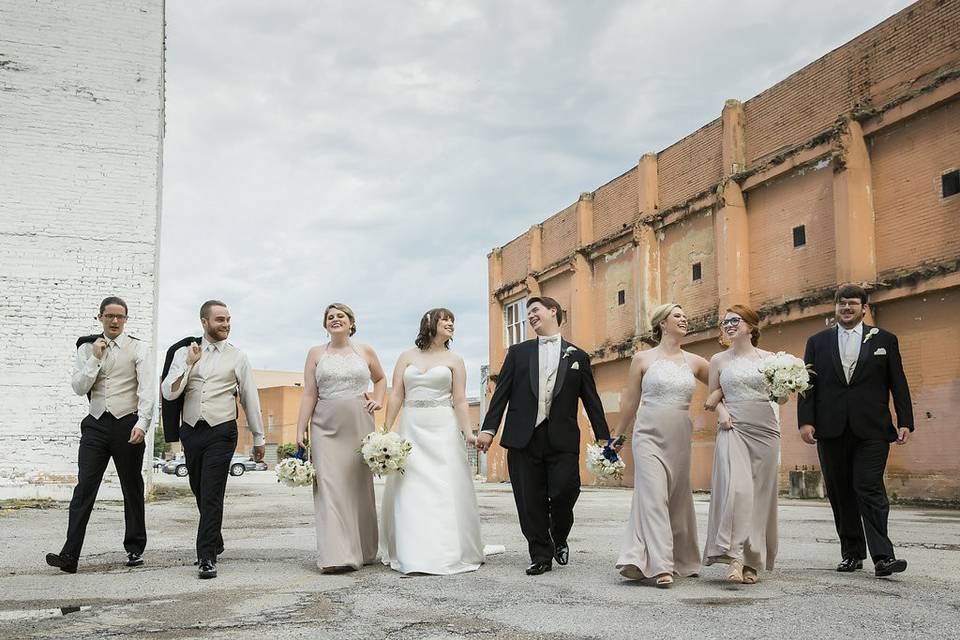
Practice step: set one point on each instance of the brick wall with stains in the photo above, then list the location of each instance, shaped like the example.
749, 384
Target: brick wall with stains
882, 215
81, 98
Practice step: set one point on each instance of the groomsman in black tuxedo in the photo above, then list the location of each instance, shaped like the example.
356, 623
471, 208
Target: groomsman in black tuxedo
540, 386
113, 369
847, 415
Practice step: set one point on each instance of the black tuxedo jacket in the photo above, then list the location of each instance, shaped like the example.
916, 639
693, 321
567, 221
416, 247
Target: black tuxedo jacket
517, 393
170, 410
863, 404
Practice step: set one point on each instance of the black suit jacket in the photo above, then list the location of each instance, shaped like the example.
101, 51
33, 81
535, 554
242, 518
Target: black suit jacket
517, 393
170, 410
863, 404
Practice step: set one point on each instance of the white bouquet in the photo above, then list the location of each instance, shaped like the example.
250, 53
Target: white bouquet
295, 472
603, 462
385, 452
785, 374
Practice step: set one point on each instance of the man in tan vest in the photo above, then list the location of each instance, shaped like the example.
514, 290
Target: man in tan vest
211, 375
114, 371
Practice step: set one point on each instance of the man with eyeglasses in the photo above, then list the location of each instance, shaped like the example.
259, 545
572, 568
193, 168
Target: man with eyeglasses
113, 369
846, 415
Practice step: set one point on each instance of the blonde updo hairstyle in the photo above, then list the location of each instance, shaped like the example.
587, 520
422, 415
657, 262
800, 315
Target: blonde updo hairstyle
660, 314
339, 306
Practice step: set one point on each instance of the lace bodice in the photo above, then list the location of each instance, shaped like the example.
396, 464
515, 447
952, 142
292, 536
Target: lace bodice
742, 381
668, 383
342, 376
425, 389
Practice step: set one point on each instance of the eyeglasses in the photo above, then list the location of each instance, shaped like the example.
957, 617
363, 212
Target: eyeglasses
112, 316
852, 304
730, 322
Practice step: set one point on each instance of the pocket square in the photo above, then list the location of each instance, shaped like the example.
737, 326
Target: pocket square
880, 352
575, 366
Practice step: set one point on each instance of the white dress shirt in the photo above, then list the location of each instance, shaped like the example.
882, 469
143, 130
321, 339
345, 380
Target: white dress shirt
549, 358
121, 382
850, 341
210, 384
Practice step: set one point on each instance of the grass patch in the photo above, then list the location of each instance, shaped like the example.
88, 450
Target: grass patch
15, 504
165, 492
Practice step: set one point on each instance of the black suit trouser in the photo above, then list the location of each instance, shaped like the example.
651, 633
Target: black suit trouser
101, 439
208, 451
853, 476
546, 485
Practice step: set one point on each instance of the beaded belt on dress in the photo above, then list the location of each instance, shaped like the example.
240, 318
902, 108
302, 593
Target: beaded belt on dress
427, 404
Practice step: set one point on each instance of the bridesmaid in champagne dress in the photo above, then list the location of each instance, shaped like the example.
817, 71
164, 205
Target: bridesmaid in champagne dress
661, 536
742, 526
336, 408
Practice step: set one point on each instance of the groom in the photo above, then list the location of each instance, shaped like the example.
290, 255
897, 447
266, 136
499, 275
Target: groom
847, 415
542, 381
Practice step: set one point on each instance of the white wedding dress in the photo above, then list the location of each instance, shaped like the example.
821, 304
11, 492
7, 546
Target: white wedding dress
429, 521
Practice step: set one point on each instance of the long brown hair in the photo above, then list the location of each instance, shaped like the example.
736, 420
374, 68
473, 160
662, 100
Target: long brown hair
751, 317
428, 327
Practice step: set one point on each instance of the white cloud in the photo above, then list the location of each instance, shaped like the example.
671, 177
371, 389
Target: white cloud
373, 153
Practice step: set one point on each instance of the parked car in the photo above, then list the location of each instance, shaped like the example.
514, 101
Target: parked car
177, 466
158, 462
241, 463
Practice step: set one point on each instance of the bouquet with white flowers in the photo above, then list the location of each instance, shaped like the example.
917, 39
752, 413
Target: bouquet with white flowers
295, 472
785, 374
603, 462
385, 452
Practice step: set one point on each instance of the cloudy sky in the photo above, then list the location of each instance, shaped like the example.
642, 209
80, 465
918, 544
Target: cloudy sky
374, 152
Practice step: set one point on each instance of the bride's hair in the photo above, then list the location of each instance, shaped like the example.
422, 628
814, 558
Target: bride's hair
428, 327
660, 314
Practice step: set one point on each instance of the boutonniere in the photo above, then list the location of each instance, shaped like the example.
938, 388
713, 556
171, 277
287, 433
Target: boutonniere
873, 331
568, 351
575, 366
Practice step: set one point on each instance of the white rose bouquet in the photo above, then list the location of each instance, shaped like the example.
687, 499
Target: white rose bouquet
295, 472
603, 462
785, 374
385, 452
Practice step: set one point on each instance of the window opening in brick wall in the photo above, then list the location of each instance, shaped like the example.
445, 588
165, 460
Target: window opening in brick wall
515, 322
697, 271
621, 297
799, 236
950, 183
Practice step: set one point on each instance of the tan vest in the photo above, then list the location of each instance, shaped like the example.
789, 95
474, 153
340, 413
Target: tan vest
117, 379
212, 398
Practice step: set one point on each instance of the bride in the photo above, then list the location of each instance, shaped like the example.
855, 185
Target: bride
429, 520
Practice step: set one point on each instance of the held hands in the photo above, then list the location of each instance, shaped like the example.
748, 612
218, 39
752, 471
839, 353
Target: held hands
136, 436
809, 435
99, 348
193, 353
903, 433
616, 443
483, 441
471, 439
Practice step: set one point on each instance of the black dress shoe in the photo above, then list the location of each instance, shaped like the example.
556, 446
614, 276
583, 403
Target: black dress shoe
562, 554
888, 566
134, 559
537, 568
850, 564
219, 553
66, 563
208, 569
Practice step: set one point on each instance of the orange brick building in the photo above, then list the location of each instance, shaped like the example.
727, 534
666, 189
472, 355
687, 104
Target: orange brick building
847, 170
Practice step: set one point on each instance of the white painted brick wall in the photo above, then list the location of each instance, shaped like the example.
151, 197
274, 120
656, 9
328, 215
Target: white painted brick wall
81, 131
